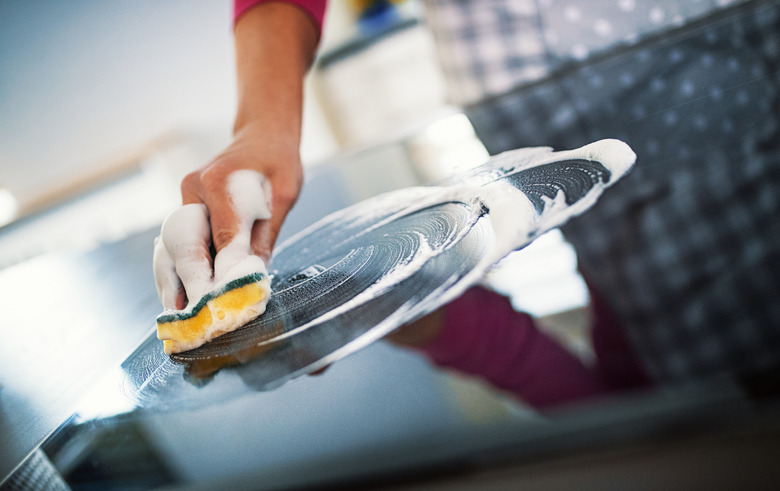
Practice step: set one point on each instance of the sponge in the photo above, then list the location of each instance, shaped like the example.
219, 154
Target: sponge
218, 312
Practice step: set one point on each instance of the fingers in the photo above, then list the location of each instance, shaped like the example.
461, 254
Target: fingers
420, 332
263, 239
248, 196
235, 198
210, 187
265, 232
169, 288
185, 238
237, 202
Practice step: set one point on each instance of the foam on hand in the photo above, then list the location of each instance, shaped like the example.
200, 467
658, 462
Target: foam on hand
222, 296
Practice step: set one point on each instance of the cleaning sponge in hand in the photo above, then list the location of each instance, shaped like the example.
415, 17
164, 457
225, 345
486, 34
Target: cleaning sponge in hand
222, 294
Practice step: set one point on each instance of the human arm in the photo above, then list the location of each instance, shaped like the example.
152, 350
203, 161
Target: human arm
481, 335
275, 43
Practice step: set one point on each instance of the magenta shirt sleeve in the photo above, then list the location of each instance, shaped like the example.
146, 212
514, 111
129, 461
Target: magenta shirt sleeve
315, 8
484, 336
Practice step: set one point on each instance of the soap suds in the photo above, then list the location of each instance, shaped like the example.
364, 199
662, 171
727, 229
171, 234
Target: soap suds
250, 195
514, 221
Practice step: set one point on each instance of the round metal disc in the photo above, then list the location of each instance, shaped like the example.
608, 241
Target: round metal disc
357, 275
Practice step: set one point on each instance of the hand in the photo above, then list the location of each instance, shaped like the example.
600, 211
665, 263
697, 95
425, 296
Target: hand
420, 332
238, 203
280, 164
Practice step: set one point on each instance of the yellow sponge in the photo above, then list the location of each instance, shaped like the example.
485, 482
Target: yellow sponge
218, 312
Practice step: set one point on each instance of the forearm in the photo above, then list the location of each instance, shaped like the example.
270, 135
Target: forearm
480, 334
275, 46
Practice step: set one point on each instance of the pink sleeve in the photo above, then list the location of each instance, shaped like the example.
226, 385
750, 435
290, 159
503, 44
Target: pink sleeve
315, 8
485, 337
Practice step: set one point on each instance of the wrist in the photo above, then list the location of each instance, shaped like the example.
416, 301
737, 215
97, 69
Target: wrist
279, 140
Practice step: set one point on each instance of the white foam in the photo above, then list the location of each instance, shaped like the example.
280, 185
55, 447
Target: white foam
513, 219
186, 236
250, 195
165, 278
